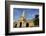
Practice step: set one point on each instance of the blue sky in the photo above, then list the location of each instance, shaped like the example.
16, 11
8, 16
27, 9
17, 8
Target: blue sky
30, 13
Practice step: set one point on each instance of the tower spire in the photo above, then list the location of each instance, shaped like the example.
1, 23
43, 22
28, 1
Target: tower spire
23, 13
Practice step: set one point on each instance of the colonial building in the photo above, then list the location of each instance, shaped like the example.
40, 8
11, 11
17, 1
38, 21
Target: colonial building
22, 22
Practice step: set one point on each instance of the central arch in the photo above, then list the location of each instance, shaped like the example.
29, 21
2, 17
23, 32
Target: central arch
27, 24
20, 24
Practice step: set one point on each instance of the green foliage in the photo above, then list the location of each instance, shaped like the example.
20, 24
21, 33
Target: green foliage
36, 21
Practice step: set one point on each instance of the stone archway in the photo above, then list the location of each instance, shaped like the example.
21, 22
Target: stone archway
15, 25
27, 24
20, 24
